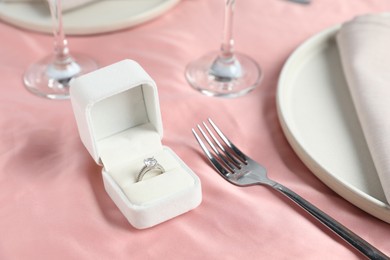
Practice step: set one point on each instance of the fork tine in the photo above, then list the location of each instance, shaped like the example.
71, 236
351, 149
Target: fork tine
211, 158
240, 154
234, 160
220, 156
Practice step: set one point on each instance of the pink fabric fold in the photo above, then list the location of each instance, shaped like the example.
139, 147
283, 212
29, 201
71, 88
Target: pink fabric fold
53, 204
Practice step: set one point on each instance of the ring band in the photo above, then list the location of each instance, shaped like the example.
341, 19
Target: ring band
150, 164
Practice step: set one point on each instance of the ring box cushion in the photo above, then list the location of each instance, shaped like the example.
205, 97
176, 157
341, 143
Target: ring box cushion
118, 117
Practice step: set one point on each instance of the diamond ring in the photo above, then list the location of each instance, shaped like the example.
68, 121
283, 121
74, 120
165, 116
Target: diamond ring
150, 165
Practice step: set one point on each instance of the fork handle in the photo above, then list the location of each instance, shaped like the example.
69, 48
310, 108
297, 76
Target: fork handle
354, 240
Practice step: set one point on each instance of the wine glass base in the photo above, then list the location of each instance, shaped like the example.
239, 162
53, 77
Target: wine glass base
200, 76
44, 79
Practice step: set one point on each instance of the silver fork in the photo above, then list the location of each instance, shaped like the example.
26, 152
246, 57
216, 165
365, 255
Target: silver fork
239, 169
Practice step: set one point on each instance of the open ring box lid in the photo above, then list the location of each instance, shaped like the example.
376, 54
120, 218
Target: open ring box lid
119, 121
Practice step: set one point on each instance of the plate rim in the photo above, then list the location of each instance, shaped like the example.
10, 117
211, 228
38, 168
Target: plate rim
350, 193
131, 21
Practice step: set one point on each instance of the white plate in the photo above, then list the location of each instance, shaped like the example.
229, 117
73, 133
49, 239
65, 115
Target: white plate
319, 121
99, 17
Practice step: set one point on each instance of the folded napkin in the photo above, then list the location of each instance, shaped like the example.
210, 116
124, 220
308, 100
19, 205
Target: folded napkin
66, 4
364, 46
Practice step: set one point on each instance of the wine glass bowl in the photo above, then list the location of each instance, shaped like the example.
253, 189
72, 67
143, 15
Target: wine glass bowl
224, 73
50, 76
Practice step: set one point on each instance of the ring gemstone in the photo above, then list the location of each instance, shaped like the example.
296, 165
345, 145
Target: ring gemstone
150, 162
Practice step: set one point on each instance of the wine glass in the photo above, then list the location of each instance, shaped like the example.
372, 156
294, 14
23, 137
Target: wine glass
224, 73
50, 76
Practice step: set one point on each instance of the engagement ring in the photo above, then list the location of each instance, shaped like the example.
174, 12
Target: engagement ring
151, 164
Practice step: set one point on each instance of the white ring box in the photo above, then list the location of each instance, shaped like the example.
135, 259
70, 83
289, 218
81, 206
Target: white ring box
119, 121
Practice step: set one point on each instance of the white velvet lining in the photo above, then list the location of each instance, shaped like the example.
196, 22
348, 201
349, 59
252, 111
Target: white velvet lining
125, 137
154, 186
127, 145
123, 157
118, 113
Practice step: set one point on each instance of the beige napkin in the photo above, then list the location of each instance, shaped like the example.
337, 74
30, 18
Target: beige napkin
364, 46
66, 4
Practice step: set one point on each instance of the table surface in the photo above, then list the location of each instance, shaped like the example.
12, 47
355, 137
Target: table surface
53, 203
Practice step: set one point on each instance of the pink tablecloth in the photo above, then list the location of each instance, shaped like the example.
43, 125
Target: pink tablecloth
53, 203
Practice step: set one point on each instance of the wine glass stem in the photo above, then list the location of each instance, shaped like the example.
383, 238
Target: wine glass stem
60, 43
227, 40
